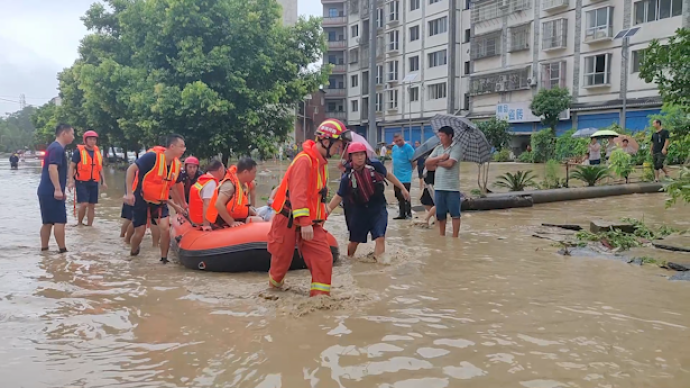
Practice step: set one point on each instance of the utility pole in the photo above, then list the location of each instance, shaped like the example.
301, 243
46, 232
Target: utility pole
373, 130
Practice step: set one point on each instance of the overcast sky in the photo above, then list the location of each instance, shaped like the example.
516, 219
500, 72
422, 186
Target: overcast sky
39, 38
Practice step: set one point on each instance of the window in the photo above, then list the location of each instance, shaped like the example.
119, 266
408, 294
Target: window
598, 70
436, 91
379, 102
354, 7
555, 34
438, 26
354, 30
467, 4
519, 38
332, 37
393, 8
467, 67
485, 46
414, 5
393, 40
379, 75
393, 99
468, 34
651, 10
414, 33
553, 75
414, 94
637, 59
353, 55
501, 82
437, 58
365, 108
331, 107
599, 24
414, 63
466, 101
365, 83
333, 13
380, 18
393, 70
354, 81
331, 59
433, 1
354, 105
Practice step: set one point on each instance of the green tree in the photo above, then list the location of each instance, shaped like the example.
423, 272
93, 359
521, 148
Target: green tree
549, 103
17, 130
665, 65
568, 147
496, 132
543, 145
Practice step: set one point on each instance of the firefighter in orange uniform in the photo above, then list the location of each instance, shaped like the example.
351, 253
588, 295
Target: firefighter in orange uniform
149, 182
230, 203
202, 192
87, 169
300, 206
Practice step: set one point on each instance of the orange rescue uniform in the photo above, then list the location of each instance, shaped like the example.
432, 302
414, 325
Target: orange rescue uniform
155, 187
88, 168
300, 199
237, 206
196, 203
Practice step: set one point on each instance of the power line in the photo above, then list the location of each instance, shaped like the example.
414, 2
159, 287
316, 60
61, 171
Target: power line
5, 99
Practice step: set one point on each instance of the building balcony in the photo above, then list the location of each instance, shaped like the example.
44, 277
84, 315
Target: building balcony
550, 5
336, 93
333, 1
393, 22
337, 45
342, 116
599, 34
339, 69
334, 22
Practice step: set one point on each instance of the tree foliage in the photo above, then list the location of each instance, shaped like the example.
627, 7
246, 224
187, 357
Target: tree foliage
496, 132
516, 182
679, 189
223, 73
543, 145
590, 174
549, 103
568, 147
667, 66
16, 130
621, 163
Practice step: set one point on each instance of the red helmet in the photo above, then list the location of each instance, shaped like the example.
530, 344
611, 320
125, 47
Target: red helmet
333, 129
89, 134
191, 160
356, 147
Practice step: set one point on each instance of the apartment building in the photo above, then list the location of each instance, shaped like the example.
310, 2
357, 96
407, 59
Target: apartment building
289, 11
592, 47
417, 75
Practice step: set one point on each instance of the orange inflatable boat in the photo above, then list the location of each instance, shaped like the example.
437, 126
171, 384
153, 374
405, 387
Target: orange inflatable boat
239, 249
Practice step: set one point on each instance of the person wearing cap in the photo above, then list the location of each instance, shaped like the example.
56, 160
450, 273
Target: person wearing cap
85, 175
362, 189
190, 174
300, 206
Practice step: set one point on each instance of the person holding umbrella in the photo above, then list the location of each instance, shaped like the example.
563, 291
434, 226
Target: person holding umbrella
444, 159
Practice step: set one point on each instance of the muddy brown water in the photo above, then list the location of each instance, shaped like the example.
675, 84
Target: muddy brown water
495, 308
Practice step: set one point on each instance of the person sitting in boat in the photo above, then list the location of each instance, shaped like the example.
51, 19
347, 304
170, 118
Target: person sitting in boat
190, 174
267, 212
230, 202
362, 187
201, 194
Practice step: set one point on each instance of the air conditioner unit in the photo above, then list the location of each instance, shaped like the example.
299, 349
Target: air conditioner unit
500, 87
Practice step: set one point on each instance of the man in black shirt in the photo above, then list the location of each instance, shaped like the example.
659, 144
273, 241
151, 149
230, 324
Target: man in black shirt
660, 141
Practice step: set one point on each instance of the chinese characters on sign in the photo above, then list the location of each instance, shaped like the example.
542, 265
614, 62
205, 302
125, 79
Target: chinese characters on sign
519, 112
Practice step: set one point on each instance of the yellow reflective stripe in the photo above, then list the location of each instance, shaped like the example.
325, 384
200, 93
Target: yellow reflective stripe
321, 287
300, 212
275, 283
199, 186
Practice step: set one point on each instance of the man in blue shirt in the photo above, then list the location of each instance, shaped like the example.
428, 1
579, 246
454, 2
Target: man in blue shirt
402, 169
51, 189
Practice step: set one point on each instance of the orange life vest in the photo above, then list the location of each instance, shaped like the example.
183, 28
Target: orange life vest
152, 149
156, 184
238, 205
318, 183
196, 203
89, 169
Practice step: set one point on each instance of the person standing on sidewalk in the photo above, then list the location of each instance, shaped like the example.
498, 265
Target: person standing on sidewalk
402, 169
660, 141
445, 159
86, 169
51, 189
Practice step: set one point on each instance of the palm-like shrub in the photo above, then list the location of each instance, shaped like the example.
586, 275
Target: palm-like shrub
591, 175
516, 182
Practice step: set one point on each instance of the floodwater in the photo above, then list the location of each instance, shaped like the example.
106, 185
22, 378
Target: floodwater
494, 308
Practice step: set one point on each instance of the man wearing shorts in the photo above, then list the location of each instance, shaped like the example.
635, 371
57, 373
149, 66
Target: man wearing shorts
86, 169
445, 159
51, 189
660, 141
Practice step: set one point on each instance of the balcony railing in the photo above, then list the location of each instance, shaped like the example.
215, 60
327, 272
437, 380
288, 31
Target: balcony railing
596, 34
333, 22
548, 5
336, 115
494, 9
337, 44
330, 93
339, 69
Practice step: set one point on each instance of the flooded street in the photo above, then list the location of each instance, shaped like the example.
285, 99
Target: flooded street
495, 308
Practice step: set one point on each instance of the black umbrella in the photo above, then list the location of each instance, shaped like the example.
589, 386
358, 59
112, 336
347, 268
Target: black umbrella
473, 144
425, 149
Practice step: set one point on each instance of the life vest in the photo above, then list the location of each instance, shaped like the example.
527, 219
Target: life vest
152, 149
238, 205
196, 203
89, 169
365, 184
155, 187
318, 186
